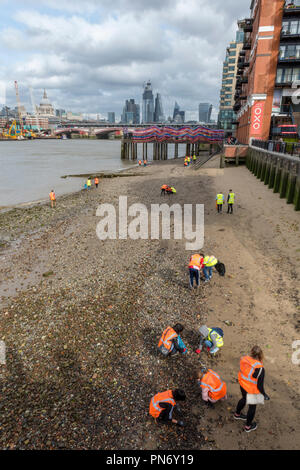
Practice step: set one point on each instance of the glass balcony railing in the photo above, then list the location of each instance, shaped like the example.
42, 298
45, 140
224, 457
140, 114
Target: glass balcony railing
292, 4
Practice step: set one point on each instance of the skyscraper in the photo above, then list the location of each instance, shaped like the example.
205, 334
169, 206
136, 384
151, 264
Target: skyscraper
158, 112
178, 115
111, 117
131, 112
205, 110
148, 104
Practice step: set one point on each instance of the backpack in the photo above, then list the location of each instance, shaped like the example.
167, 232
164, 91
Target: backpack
218, 330
220, 267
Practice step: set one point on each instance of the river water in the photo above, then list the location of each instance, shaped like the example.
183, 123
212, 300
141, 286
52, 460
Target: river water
30, 169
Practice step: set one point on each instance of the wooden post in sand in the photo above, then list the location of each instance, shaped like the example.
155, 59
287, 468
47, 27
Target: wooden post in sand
176, 151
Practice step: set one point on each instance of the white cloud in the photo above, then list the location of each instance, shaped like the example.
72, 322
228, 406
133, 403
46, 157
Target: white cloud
94, 57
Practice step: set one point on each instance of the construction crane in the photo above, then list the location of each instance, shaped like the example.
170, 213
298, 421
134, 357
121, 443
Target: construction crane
34, 109
19, 106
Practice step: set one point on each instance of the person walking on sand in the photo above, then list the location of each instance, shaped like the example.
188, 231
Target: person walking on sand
212, 338
195, 266
212, 386
162, 406
230, 201
52, 198
220, 201
251, 379
170, 342
89, 183
96, 182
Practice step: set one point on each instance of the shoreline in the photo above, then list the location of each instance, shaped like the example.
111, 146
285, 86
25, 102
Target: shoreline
103, 174
81, 318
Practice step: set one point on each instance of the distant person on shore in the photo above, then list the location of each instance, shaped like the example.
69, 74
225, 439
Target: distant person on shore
170, 342
140, 162
145, 162
220, 201
163, 189
195, 266
194, 158
96, 182
89, 183
52, 198
212, 338
213, 387
162, 406
171, 190
251, 380
230, 201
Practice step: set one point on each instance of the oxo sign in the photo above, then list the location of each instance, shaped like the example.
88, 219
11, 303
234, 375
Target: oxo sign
257, 118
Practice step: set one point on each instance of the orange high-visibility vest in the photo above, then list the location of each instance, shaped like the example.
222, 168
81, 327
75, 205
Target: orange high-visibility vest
165, 397
145, 162
52, 196
216, 387
247, 368
140, 162
96, 181
166, 338
164, 186
195, 262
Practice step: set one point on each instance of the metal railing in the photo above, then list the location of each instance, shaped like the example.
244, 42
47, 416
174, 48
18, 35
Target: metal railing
287, 148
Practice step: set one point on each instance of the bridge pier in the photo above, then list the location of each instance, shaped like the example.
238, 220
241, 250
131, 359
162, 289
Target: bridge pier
176, 151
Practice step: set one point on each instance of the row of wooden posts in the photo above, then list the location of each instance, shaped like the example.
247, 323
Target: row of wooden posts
129, 150
280, 173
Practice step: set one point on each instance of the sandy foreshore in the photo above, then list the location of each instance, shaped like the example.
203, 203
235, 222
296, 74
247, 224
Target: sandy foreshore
81, 317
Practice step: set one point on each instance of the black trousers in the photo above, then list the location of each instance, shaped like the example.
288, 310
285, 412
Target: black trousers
220, 206
242, 403
230, 209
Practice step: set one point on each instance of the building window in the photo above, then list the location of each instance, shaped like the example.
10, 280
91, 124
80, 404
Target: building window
291, 27
288, 75
291, 51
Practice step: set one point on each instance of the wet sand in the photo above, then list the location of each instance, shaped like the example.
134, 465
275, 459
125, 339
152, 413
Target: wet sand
81, 317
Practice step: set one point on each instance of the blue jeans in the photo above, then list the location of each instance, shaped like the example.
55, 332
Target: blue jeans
207, 271
209, 345
194, 273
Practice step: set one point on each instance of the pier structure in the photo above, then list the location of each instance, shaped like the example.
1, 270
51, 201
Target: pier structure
160, 137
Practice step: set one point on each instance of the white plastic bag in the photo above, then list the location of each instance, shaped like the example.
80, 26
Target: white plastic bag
255, 399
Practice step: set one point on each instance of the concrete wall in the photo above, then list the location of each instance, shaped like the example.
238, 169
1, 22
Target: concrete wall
280, 173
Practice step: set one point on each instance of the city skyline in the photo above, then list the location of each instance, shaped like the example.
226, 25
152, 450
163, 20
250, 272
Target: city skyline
48, 46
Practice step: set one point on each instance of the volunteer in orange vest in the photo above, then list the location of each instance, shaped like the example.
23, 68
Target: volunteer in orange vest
52, 198
170, 342
145, 162
163, 189
96, 182
162, 406
212, 386
195, 266
140, 162
251, 380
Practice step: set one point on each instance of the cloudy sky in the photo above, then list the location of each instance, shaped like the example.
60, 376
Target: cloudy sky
91, 55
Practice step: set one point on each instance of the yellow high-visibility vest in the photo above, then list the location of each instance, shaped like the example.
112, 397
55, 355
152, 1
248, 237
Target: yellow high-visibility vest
231, 198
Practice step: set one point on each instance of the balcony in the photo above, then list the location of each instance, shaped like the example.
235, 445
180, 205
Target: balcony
289, 59
289, 34
247, 46
291, 8
246, 24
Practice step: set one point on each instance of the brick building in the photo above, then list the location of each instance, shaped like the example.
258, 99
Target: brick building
257, 68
